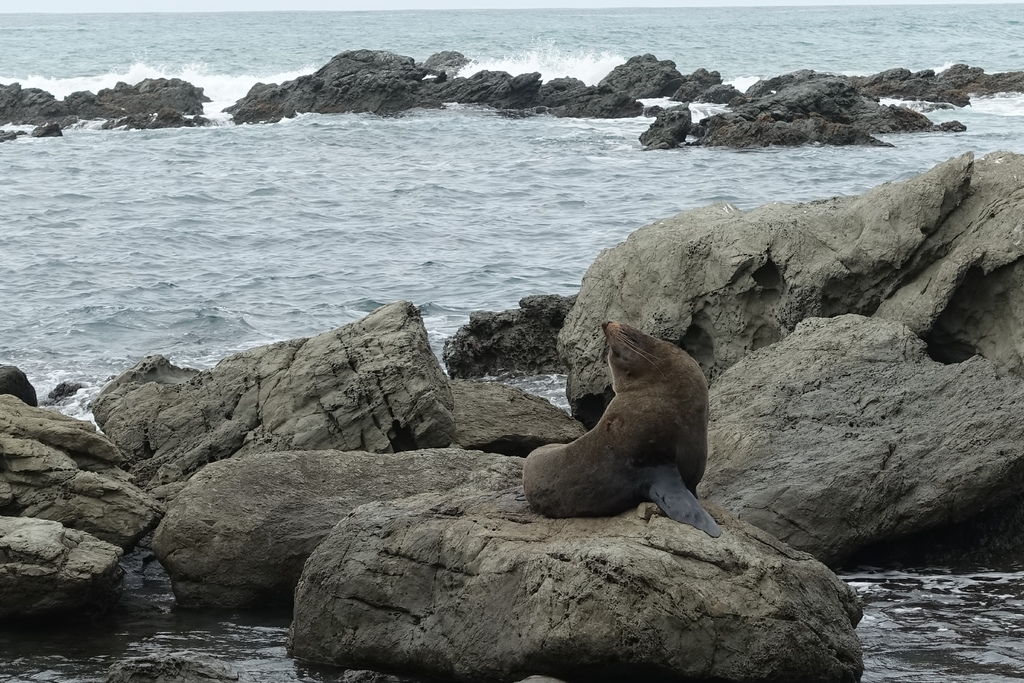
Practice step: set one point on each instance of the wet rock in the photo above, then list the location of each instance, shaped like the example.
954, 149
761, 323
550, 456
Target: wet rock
13, 382
738, 132
47, 130
491, 88
414, 585
769, 86
644, 76
951, 127
371, 385
184, 667
722, 283
9, 135
165, 118
57, 468
571, 97
46, 569
64, 390
696, 84
719, 94
516, 341
955, 85
239, 532
145, 97
846, 434
22, 106
501, 419
669, 129
447, 62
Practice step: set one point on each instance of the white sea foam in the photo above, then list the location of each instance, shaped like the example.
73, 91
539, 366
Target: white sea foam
741, 83
1004, 104
589, 67
223, 89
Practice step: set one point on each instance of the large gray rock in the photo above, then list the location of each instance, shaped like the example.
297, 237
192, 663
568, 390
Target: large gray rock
57, 468
46, 569
644, 76
571, 97
149, 96
497, 418
239, 532
31, 106
184, 667
371, 385
739, 132
472, 586
521, 340
447, 62
668, 130
496, 89
954, 85
846, 434
13, 382
722, 283
695, 84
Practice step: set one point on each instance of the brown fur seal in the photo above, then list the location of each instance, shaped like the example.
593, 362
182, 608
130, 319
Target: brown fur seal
650, 444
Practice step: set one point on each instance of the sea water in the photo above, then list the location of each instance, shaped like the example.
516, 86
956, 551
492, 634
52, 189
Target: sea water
196, 243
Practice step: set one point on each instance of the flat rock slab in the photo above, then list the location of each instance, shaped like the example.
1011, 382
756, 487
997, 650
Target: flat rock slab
472, 586
47, 569
239, 532
58, 468
371, 385
847, 434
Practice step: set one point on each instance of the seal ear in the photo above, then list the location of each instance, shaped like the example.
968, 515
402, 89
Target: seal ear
665, 488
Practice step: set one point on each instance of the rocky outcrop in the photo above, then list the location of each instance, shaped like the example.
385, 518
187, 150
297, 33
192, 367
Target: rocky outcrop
145, 97
722, 283
413, 586
955, 85
64, 390
669, 129
48, 130
10, 135
497, 418
719, 94
185, 667
846, 434
696, 84
57, 468
447, 62
371, 385
571, 97
239, 532
644, 76
521, 340
165, 118
767, 87
13, 382
736, 131
30, 106
488, 88
47, 569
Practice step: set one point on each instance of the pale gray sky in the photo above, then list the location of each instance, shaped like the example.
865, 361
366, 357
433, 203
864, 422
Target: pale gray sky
272, 5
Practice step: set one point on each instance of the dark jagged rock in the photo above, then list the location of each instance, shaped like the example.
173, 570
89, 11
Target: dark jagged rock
14, 382
951, 127
22, 106
695, 84
496, 89
8, 135
47, 130
644, 76
730, 130
64, 390
185, 667
145, 97
769, 86
165, 118
520, 340
448, 62
572, 97
668, 130
955, 85
719, 94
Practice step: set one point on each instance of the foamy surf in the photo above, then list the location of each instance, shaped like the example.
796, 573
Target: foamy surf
551, 63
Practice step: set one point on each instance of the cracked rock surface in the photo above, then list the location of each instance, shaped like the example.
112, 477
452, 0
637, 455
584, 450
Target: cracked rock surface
46, 568
57, 468
239, 532
847, 434
472, 586
371, 385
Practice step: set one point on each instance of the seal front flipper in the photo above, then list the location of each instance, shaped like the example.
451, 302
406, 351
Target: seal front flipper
665, 487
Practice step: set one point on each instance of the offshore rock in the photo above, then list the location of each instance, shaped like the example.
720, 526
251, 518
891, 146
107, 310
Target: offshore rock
521, 340
145, 97
185, 667
57, 468
448, 62
644, 76
719, 94
21, 106
413, 585
846, 434
696, 84
732, 130
240, 531
490, 88
10, 135
165, 118
669, 129
496, 418
955, 85
371, 385
47, 130
14, 383
571, 97
722, 283
46, 569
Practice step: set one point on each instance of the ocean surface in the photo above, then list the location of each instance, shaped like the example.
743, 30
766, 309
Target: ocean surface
196, 243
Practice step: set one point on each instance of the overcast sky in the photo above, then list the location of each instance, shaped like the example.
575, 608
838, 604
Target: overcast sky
269, 5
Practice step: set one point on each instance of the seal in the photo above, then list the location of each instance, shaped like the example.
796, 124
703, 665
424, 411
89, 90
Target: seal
650, 444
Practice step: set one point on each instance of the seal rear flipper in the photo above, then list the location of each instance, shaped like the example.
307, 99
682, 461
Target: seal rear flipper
666, 488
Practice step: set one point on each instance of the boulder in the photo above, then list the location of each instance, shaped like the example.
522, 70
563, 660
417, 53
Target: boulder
145, 97
955, 85
695, 84
497, 418
490, 88
48, 569
738, 132
10, 135
846, 434
165, 118
47, 130
13, 382
669, 129
447, 62
644, 76
521, 340
30, 106
571, 97
414, 586
173, 667
64, 390
951, 127
719, 94
239, 532
722, 283
371, 385
57, 468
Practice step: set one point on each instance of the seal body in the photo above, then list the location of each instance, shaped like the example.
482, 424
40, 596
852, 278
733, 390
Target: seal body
650, 444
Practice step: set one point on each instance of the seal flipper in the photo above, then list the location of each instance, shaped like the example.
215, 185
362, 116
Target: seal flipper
666, 488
